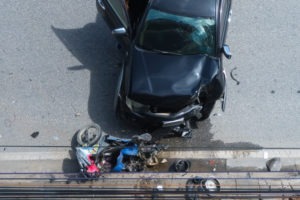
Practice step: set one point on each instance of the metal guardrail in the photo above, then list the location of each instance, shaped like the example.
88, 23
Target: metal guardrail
241, 185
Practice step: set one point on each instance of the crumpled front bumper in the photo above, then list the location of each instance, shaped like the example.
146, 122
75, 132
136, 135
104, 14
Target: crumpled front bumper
163, 119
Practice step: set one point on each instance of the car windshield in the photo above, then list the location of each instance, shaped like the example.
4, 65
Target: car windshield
176, 34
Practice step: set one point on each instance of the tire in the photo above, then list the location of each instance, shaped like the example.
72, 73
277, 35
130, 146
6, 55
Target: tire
87, 137
207, 108
98, 7
119, 111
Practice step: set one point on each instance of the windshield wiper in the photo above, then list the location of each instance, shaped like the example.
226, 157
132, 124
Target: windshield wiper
162, 52
166, 52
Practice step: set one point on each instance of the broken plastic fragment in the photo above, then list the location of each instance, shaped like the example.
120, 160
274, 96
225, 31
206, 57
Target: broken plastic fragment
182, 166
160, 188
274, 165
35, 134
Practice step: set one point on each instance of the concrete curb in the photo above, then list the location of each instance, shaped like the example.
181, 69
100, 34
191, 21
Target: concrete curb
196, 154
232, 154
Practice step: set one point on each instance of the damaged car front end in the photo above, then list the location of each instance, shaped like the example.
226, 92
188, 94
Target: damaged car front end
167, 90
172, 71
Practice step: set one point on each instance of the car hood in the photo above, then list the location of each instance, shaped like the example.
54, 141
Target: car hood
168, 81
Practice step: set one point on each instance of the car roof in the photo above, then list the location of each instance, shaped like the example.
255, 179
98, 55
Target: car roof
193, 8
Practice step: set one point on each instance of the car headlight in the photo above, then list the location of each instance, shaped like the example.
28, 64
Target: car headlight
136, 106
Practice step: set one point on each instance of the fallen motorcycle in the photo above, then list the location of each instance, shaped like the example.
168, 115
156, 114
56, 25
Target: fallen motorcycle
100, 153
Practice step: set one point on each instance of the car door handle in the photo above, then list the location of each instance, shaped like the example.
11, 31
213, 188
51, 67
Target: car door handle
100, 2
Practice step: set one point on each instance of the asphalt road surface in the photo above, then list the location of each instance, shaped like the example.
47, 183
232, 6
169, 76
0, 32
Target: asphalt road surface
59, 66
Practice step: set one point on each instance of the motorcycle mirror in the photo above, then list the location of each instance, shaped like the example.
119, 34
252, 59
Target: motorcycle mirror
119, 31
226, 51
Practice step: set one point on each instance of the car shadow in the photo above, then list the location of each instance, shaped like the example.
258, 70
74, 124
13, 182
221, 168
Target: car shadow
95, 48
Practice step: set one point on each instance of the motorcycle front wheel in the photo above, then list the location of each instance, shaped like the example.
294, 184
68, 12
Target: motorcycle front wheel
89, 135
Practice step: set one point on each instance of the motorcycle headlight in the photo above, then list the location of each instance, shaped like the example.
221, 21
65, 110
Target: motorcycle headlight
136, 106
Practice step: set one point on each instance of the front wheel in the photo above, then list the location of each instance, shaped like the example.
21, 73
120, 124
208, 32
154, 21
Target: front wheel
98, 6
89, 135
206, 110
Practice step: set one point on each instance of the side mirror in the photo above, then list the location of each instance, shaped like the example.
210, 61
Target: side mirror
119, 31
226, 51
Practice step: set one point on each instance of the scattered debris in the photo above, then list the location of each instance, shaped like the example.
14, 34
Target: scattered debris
182, 166
211, 184
35, 134
213, 165
52, 178
155, 195
232, 76
212, 162
274, 165
217, 114
180, 131
55, 138
160, 188
198, 184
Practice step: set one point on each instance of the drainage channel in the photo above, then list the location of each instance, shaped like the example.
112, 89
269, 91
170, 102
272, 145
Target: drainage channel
233, 185
240, 173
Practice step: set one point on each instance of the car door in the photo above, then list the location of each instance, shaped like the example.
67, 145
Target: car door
116, 16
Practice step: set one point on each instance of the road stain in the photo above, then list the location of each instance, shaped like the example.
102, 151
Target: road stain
7, 123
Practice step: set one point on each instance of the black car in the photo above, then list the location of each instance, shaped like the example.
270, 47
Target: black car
172, 71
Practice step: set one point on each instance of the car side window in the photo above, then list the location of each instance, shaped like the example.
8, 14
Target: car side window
118, 8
